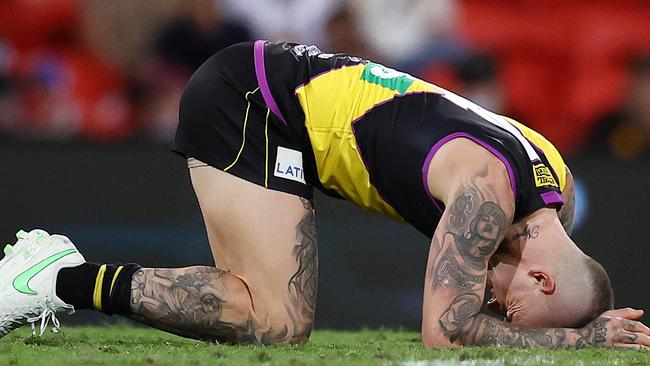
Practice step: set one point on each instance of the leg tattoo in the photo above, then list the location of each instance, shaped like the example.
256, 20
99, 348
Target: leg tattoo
303, 284
189, 302
209, 303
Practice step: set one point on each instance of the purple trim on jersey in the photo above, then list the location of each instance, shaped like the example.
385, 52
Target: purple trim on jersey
260, 73
552, 198
444, 140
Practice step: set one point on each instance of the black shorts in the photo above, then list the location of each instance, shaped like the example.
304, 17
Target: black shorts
224, 122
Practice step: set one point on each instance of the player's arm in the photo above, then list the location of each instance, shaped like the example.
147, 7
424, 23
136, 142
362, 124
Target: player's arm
474, 223
567, 212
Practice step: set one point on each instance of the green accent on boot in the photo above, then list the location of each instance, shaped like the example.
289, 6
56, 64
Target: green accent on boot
21, 234
21, 282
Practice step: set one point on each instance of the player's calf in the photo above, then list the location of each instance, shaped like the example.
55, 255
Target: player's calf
197, 302
205, 303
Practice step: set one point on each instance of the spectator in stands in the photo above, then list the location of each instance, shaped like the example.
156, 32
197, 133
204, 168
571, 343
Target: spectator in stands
625, 133
407, 32
197, 34
477, 76
183, 45
300, 21
344, 36
8, 99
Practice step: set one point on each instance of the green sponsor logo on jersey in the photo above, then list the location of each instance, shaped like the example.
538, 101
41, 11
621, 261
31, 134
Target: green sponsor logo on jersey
21, 282
387, 77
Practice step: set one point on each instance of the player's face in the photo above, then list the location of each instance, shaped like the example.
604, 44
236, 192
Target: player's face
511, 287
499, 277
516, 296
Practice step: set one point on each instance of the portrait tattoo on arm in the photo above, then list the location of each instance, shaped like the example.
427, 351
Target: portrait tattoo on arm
475, 224
472, 233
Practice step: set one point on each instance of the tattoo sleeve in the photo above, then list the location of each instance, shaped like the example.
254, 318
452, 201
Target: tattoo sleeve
193, 302
464, 325
467, 236
303, 284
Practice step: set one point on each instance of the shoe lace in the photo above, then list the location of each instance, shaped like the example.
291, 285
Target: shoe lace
46, 315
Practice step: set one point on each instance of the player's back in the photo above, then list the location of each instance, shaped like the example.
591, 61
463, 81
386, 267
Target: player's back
372, 131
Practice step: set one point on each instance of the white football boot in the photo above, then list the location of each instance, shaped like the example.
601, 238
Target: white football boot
28, 274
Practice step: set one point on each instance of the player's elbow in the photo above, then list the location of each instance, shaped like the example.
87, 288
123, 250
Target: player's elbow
432, 338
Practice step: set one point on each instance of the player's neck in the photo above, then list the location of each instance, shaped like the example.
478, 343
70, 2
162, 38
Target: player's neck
539, 238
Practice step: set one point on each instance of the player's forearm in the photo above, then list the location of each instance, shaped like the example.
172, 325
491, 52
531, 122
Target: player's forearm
483, 330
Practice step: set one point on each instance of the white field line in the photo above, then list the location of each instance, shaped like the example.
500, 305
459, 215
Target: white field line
537, 360
454, 363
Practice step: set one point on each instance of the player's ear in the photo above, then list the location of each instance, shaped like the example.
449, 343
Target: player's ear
544, 281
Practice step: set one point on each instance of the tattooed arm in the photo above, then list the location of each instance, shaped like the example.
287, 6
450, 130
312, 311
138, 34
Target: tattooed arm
473, 225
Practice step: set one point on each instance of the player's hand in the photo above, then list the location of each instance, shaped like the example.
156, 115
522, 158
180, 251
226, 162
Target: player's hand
616, 328
627, 313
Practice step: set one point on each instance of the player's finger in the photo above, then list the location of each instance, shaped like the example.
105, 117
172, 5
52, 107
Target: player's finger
627, 313
637, 327
630, 346
634, 338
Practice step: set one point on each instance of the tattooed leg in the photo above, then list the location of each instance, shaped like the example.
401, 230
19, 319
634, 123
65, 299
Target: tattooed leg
264, 287
303, 284
197, 302
209, 303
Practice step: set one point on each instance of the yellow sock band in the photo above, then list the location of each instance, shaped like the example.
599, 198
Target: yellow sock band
97, 293
117, 272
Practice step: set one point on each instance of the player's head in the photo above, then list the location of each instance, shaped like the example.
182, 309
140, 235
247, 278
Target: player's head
549, 282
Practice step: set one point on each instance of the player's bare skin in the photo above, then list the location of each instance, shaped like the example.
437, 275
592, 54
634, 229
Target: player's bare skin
264, 289
480, 207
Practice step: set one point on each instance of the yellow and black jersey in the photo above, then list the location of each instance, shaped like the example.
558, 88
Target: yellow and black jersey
362, 131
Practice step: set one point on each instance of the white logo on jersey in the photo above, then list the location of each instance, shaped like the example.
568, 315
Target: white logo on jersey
300, 50
288, 165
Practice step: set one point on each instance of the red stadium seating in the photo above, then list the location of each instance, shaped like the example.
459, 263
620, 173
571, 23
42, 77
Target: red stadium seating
563, 62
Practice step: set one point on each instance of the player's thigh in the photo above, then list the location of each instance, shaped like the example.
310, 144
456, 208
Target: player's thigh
265, 237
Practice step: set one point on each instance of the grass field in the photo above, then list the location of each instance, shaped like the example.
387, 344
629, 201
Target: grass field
124, 345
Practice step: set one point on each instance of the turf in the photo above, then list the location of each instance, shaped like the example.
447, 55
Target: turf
125, 345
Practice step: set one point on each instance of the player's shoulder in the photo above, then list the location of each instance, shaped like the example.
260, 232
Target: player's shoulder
463, 159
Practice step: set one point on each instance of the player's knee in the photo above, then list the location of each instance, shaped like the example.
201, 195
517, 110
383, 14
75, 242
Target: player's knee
290, 328
434, 339
287, 323
272, 322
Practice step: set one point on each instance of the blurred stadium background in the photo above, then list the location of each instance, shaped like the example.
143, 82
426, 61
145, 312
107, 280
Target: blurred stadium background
89, 94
